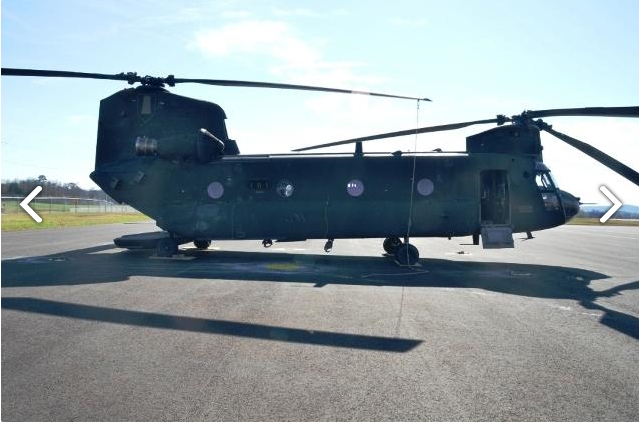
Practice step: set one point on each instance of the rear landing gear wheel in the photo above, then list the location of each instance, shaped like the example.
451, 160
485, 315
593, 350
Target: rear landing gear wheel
391, 244
202, 244
407, 254
166, 247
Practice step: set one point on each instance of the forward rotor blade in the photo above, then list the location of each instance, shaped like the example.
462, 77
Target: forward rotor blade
250, 84
452, 126
605, 159
586, 111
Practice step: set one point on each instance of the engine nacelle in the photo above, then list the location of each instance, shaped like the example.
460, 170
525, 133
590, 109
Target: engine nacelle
201, 147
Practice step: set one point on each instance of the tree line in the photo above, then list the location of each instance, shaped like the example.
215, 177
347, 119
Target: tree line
598, 213
23, 187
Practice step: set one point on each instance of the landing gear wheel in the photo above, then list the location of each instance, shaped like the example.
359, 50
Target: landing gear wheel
391, 244
202, 244
166, 247
328, 246
407, 254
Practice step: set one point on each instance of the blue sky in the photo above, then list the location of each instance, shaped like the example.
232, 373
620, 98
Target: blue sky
473, 59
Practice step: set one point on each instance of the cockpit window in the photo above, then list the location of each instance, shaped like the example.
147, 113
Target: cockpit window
544, 181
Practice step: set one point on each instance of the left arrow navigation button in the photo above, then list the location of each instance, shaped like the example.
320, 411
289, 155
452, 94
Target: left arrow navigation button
25, 204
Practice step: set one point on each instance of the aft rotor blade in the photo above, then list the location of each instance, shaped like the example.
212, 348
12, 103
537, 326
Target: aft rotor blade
251, 84
586, 111
452, 126
132, 77
7, 71
605, 159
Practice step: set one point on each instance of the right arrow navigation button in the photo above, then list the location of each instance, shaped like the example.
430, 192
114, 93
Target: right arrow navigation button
616, 203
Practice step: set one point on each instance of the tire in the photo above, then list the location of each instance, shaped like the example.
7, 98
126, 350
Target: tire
166, 247
391, 244
202, 244
407, 254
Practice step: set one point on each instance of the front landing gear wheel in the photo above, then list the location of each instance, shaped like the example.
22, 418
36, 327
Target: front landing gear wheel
328, 246
407, 254
202, 244
391, 244
166, 247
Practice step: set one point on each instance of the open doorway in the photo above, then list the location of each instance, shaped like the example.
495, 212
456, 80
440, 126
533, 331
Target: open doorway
495, 203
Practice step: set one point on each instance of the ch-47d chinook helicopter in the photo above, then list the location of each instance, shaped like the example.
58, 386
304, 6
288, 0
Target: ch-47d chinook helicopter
170, 157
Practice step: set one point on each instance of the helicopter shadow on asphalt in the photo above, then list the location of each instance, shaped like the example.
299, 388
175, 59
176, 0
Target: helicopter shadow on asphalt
108, 264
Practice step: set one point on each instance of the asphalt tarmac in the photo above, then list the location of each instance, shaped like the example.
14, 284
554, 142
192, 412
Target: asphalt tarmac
546, 331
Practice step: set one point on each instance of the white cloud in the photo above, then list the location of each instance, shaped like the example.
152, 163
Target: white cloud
287, 56
409, 22
235, 14
265, 37
295, 12
291, 58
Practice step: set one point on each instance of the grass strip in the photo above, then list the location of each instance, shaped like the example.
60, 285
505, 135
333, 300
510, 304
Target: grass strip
22, 221
582, 221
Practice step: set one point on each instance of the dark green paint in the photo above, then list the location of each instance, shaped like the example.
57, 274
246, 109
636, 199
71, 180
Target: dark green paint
152, 154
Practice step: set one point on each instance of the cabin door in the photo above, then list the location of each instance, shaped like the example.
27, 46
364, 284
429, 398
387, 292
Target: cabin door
495, 198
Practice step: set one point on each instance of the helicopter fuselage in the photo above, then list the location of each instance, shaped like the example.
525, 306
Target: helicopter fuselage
330, 196
170, 157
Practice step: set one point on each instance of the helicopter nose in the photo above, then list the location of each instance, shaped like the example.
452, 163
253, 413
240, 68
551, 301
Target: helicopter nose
570, 204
